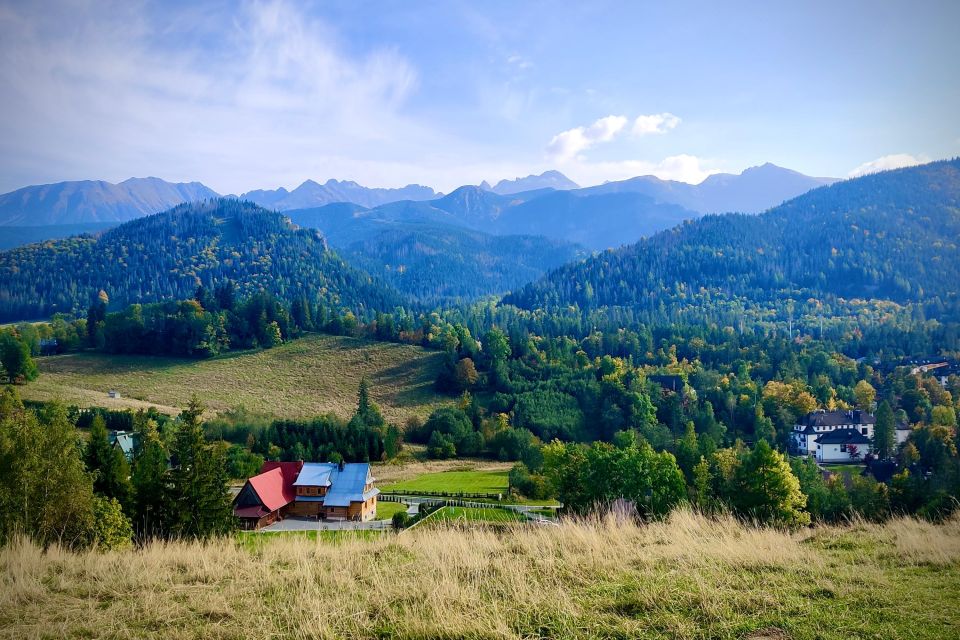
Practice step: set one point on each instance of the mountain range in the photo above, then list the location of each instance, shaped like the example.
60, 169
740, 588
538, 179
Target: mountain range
314, 194
85, 202
883, 239
890, 236
95, 201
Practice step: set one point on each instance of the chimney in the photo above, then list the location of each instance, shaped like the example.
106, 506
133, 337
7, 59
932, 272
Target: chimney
340, 466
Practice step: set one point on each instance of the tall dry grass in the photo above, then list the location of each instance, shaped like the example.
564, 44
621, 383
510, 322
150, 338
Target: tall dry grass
686, 577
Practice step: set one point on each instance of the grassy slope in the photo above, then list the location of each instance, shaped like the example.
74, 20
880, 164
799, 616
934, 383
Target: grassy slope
385, 510
454, 481
686, 578
303, 378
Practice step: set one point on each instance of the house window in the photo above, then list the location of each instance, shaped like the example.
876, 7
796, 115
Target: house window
843, 448
863, 431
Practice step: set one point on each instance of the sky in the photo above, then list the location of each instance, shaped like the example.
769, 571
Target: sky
262, 94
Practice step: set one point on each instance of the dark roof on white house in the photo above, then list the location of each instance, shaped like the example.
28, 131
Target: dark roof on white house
823, 418
843, 436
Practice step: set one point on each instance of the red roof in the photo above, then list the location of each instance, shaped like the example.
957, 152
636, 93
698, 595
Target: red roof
290, 471
274, 486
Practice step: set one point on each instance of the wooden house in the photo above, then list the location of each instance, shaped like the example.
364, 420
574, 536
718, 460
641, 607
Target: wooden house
267, 496
335, 491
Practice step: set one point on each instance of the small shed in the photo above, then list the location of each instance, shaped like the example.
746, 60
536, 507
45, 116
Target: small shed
113, 393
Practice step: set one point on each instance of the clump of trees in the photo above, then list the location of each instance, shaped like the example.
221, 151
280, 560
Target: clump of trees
58, 490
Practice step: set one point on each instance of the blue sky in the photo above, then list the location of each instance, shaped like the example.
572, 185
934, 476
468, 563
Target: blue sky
264, 94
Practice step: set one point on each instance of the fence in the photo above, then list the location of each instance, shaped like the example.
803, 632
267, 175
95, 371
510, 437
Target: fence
444, 494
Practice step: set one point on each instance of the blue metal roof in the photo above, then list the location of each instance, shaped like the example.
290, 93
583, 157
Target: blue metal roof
345, 486
315, 474
124, 440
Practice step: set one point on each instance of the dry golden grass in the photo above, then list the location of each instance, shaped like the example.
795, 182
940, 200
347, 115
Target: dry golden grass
688, 577
303, 378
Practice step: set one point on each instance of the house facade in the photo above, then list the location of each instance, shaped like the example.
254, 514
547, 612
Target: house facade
842, 445
335, 491
322, 490
818, 423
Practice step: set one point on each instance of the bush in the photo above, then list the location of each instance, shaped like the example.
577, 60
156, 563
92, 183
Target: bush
111, 529
400, 520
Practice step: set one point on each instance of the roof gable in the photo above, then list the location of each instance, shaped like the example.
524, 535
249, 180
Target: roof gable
273, 492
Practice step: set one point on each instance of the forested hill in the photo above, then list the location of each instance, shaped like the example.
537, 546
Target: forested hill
889, 236
165, 256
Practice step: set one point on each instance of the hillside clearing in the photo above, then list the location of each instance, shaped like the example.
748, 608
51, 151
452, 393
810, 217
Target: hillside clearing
688, 577
454, 482
307, 377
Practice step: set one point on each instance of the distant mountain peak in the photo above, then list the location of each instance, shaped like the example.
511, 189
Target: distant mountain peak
551, 179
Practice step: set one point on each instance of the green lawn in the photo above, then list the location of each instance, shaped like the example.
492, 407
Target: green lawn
468, 514
385, 510
307, 377
454, 481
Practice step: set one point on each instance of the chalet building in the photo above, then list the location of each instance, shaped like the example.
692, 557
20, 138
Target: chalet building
842, 445
818, 423
312, 489
267, 496
335, 491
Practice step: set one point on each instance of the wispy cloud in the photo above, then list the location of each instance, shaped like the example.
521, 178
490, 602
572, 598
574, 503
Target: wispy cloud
893, 161
656, 123
682, 167
142, 92
570, 143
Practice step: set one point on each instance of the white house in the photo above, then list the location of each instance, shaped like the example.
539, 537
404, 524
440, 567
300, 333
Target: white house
817, 423
842, 445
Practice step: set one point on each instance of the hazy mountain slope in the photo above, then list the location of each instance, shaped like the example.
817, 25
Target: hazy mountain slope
11, 237
598, 221
425, 254
95, 201
165, 256
546, 180
891, 236
753, 191
313, 194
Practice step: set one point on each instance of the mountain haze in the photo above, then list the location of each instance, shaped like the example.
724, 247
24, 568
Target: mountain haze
90, 201
313, 194
546, 180
753, 191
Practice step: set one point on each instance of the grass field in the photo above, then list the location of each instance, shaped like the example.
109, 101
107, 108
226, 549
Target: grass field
385, 510
303, 378
688, 577
469, 514
475, 481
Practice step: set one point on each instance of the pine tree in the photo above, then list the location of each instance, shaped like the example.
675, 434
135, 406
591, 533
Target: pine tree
108, 464
197, 501
884, 432
148, 479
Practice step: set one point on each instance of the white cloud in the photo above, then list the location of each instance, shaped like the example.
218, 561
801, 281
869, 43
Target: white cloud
894, 161
112, 89
683, 168
656, 123
568, 144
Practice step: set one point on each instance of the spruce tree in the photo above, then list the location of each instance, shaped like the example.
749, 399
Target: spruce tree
884, 432
148, 479
197, 501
